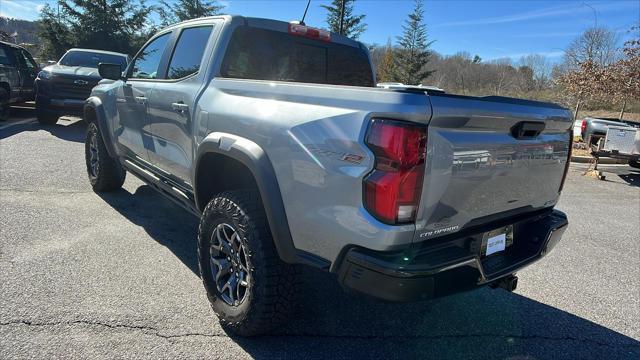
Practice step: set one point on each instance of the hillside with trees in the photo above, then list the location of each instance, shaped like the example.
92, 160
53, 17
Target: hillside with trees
27, 30
115, 25
596, 72
26, 33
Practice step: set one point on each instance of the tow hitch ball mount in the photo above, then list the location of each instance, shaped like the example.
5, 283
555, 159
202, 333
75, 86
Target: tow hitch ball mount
508, 283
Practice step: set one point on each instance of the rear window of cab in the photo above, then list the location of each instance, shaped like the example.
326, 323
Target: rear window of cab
261, 54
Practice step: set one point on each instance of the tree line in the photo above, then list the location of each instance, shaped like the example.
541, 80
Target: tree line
27, 30
595, 70
124, 25
114, 25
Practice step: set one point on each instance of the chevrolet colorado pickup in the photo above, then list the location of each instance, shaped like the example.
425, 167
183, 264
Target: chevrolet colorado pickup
275, 135
62, 88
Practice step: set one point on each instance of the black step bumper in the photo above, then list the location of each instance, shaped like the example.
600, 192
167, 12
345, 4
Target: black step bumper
441, 267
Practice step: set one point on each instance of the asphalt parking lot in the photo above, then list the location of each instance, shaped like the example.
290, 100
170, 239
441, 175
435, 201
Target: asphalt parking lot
102, 276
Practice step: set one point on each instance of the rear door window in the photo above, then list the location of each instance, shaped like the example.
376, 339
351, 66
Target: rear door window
188, 52
260, 54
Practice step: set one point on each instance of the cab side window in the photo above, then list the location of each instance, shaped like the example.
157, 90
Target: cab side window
29, 62
147, 63
188, 52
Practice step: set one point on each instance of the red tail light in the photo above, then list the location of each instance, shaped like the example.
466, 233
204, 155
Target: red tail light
309, 32
583, 127
392, 190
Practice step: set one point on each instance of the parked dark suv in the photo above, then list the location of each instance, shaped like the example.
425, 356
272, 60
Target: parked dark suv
62, 88
17, 73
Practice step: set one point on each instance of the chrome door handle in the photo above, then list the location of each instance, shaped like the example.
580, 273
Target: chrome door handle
180, 107
141, 100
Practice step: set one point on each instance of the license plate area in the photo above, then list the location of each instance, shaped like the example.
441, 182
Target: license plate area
496, 241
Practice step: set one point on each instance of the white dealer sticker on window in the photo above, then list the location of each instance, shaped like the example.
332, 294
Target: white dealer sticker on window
496, 243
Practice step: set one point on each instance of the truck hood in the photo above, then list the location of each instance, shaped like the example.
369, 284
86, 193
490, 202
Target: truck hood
73, 70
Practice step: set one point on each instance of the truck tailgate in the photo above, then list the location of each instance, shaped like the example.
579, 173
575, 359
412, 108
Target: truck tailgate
490, 158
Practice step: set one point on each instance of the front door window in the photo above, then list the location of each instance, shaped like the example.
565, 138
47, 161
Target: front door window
147, 64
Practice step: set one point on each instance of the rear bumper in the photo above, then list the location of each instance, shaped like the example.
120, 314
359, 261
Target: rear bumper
441, 267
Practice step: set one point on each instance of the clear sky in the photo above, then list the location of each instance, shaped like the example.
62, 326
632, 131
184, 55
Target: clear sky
491, 29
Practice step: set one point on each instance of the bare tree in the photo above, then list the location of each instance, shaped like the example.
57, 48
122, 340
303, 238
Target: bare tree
502, 71
541, 68
596, 44
598, 71
625, 73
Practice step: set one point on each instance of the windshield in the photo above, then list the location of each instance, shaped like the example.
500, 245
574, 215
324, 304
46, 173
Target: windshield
91, 59
271, 55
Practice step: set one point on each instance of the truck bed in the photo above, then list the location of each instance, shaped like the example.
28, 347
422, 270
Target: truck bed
476, 171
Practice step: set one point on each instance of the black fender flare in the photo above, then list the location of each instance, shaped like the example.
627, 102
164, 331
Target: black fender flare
94, 104
256, 160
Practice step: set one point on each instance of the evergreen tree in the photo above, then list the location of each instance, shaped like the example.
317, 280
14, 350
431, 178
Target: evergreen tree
413, 50
54, 33
187, 10
114, 25
352, 26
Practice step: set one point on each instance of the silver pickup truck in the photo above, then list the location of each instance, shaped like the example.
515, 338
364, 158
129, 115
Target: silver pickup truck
592, 129
275, 135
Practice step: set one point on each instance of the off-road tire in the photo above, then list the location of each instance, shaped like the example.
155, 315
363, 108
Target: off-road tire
4, 104
269, 298
109, 175
44, 116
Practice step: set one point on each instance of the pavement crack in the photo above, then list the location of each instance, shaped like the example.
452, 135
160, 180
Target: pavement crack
145, 328
78, 322
157, 332
46, 191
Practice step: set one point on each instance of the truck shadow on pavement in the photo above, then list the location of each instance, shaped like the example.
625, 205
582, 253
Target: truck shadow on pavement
328, 323
166, 223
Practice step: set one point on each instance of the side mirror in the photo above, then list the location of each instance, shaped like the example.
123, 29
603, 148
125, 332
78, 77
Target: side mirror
110, 71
